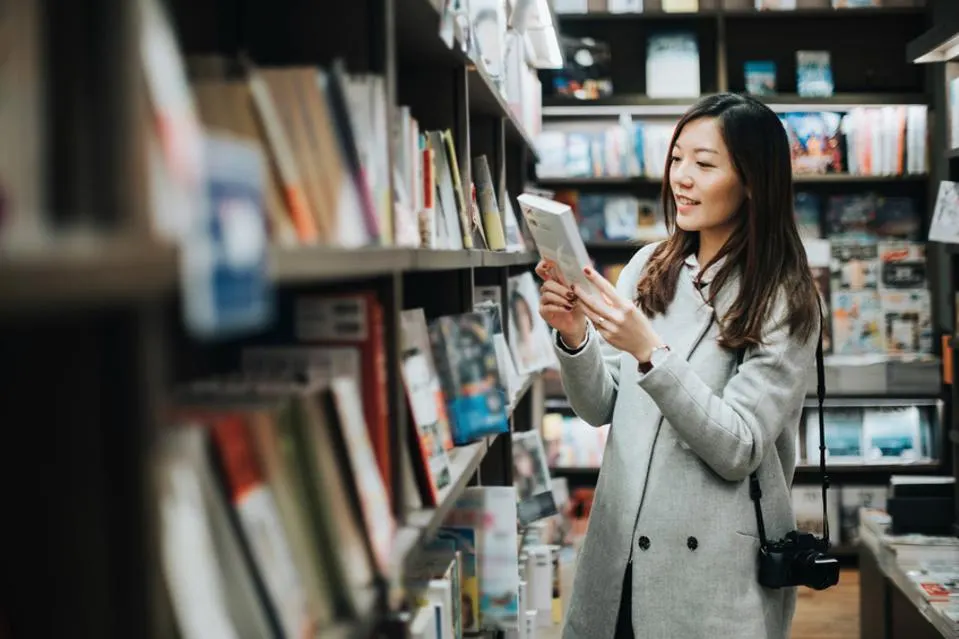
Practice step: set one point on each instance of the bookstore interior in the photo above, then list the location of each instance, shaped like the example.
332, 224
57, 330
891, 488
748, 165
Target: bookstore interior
227, 220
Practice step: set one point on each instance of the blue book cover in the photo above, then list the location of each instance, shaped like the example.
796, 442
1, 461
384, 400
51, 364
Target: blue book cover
760, 77
814, 74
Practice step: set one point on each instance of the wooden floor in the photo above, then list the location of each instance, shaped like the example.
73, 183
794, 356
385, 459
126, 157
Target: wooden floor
830, 614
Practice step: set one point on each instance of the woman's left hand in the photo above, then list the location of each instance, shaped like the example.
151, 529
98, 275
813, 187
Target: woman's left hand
621, 322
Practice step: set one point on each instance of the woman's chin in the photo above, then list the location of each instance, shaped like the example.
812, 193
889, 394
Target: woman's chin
687, 223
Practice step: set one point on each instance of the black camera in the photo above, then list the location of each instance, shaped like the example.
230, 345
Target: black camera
799, 559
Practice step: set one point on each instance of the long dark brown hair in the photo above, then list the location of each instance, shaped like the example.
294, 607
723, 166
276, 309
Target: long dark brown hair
764, 248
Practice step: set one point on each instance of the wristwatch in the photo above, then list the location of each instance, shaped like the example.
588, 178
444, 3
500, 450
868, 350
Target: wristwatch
655, 357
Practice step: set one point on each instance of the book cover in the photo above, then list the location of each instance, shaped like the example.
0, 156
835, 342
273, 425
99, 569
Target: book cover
491, 512
896, 218
903, 265
531, 477
807, 208
857, 323
907, 321
892, 435
760, 77
672, 65
465, 540
815, 142
529, 335
558, 239
843, 430
850, 217
945, 218
466, 363
586, 74
855, 265
814, 74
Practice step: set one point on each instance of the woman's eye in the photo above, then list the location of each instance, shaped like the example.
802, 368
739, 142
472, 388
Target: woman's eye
674, 159
705, 165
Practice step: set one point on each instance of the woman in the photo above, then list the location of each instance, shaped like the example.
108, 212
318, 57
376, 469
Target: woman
672, 545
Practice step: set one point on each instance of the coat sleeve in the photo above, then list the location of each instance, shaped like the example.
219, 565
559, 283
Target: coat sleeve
590, 375
733, 432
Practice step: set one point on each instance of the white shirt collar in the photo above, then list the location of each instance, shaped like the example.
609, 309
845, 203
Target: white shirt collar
709, 274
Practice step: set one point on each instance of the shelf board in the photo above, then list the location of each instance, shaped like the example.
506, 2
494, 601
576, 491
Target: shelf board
825, 12
864, 12
418, 42
567, 182
860, 469
421, 525
571, 182
606, 16
845, 177
523, 390
638, 104
952, 154
308, 264
485, 99
90, 274
938, 44
436, 260
502, 258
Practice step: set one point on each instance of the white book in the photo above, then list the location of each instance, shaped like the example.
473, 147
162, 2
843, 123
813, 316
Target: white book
945, 218
557, 237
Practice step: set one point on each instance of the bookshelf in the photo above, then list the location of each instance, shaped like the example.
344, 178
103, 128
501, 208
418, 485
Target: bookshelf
936, 51
92, 294
869, 48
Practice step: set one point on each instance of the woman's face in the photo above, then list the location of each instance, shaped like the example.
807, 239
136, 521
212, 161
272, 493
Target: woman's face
706, 188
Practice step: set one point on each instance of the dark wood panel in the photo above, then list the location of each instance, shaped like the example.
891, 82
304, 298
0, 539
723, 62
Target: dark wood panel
863, 59
627, 43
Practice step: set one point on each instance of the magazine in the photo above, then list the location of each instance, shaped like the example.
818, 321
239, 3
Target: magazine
557, 237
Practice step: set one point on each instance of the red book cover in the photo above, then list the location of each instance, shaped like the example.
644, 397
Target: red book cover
355, 319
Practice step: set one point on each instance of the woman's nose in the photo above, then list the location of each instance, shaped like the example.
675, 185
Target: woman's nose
680, 175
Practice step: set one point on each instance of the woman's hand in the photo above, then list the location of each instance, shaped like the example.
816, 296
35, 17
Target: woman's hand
621, 323
559, 306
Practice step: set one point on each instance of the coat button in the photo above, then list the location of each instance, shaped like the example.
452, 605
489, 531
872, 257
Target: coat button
644, 542
692, 543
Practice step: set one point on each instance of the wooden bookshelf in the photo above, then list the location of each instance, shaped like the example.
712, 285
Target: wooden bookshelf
94, 336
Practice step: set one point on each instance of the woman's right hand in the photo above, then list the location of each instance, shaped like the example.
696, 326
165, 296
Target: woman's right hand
559, 306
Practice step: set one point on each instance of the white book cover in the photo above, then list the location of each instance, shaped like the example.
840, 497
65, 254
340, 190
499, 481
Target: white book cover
529, 335
557, 237
491, 512
945, 218
892, 435
672, 65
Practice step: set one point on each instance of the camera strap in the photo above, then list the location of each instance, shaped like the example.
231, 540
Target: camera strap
755, 493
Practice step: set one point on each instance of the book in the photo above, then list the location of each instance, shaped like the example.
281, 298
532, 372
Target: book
814, 74
760, 77
557, 237
945, 218
672, 65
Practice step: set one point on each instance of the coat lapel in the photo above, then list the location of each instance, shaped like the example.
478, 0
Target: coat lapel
688, 319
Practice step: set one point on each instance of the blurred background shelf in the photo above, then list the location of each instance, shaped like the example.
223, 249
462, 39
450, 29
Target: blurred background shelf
95, 274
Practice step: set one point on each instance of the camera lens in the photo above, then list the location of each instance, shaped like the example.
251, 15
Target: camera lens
816, 570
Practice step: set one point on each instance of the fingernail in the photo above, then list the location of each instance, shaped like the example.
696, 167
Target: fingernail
587, 270
571, 296
568, 307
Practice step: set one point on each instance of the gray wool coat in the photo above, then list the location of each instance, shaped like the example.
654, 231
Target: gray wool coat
673, 491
